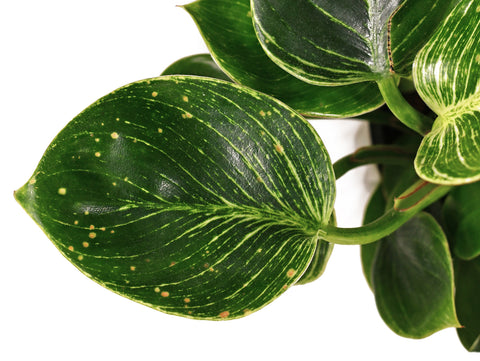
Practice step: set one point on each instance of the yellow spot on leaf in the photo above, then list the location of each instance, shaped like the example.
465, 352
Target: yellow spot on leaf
291, 272
247, 312
133, 268
185, 98
92, 227
97, 154
75, 223
154, 94
279, 148
160, 130
70, 248
186, 300
165, 294
92, 235
477, 58
157, 290
86, 213
80, 258
114, 135
85, 244
62, 191
224, 314
262, 113
32, 181
97, 140
114, 184
172, 264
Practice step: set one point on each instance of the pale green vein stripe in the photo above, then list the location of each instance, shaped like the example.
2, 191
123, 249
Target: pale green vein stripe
338, 21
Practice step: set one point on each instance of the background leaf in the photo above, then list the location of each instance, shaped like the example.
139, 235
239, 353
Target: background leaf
412, 276
199, 64
461, 213
467, 280
228, 31
194, 196
447, 76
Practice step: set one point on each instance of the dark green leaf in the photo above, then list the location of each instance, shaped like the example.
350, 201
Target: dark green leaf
200, 64
230, 36
447, 76
412, 278
461, 214
194, 196
375, 209
467, 302
411, 27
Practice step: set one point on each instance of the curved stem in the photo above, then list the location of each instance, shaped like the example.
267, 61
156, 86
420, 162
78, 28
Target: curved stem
375, 154
402, 109
413, 200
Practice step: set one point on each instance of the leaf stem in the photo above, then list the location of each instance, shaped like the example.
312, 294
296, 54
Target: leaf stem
419, 196
407, 114
374, 154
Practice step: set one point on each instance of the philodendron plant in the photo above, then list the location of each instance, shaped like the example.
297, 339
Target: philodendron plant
205, 193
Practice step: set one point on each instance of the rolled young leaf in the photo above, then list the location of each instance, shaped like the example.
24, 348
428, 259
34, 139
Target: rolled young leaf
193, 196
412, 276
228, 31
447, 77
461, 214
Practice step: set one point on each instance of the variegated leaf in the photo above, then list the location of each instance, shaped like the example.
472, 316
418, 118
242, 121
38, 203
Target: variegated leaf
228, 31
447, 77
333, 42
194, 196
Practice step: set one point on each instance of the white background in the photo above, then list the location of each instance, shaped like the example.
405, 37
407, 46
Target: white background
57, 57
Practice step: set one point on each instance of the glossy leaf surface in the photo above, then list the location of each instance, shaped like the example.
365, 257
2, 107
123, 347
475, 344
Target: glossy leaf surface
194, 196
198, 64
329, 42
228, 31
411, 27
412, 276
375, 209
467, 283
447, 77
461, 214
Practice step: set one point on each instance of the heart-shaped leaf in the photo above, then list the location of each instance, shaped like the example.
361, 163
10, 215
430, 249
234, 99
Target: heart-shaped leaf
461, 213
332, 42
412, 276
194, 196
230, 36
199, 64
447, 76
467, 282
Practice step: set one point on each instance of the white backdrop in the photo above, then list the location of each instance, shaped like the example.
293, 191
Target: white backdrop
57, 57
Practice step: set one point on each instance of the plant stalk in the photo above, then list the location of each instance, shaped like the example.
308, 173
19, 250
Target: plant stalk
407, 114
419, 196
